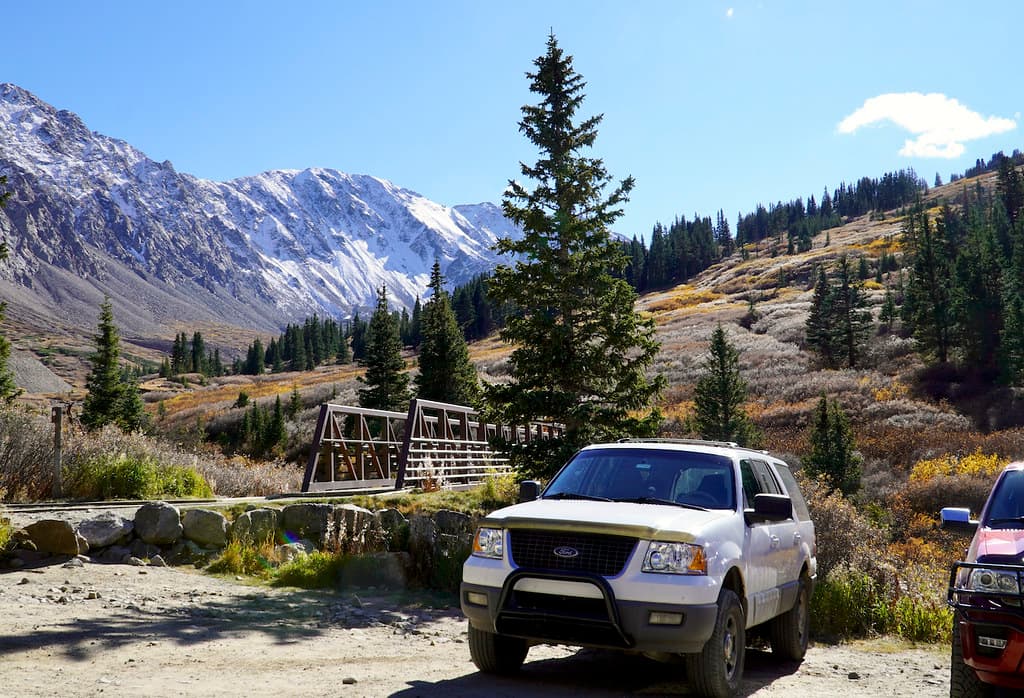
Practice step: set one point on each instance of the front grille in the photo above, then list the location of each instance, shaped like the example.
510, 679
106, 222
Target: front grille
601, 554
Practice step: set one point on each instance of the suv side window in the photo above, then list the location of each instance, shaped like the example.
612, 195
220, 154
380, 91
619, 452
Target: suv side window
757, 479
793, 490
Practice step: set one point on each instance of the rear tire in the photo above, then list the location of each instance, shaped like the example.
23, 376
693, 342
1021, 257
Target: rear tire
496, 654
963, 682
717, 669
788, 632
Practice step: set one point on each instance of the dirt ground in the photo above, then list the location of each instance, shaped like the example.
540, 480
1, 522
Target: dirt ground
129, 631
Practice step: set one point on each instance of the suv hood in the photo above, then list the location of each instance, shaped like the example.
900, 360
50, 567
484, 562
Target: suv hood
646, 521
1004, 543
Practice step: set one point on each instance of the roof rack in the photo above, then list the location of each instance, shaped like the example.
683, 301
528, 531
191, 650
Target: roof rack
690, 442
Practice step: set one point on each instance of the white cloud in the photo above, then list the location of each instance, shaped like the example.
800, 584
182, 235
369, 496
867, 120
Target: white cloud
942, 125
729, 13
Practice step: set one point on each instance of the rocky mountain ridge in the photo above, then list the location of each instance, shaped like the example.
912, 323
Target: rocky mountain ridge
90, 215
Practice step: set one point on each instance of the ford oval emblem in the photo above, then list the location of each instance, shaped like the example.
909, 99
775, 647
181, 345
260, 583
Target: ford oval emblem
566, 551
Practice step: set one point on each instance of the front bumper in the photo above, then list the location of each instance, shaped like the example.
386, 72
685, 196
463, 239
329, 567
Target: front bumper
581, 610
991, 627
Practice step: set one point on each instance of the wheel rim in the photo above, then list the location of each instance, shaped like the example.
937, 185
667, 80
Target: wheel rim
730, 650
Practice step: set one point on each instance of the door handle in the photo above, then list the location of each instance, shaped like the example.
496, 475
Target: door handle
797, 538
774, 541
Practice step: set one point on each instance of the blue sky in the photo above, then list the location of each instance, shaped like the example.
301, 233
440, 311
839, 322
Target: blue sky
709, 104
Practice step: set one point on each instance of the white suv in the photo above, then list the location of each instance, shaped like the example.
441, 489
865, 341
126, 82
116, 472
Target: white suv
658, 546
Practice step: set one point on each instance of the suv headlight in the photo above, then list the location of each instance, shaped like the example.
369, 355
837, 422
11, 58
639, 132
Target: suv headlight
675, 558
489, 542
993, 581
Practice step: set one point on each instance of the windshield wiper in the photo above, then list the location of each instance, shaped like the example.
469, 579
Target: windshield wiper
659, 500
1006, 519
575, 495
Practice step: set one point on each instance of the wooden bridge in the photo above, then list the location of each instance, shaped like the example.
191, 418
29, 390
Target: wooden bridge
435, 446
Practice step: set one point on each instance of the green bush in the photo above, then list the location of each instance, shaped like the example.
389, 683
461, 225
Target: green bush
317, 570
134, 476
850, 604
5, 534
239, 558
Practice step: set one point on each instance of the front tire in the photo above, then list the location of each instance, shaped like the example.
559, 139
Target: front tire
963, 682
717, 669
496, 654
788, 633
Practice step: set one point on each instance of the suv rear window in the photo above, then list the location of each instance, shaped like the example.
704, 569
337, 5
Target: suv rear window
701, 479
793, 490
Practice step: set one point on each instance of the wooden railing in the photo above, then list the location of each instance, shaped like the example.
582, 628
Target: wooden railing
435, 445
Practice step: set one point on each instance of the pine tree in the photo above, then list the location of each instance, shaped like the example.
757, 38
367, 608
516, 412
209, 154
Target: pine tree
818, 329
833, 450
198, 354
294, 403
111, 399
852, 320
719, 395
445, 371
582, 351
927, 308
387, 383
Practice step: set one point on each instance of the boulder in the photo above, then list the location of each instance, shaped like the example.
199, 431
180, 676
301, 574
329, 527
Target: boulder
187, 552
143, 550
310, 521
205, 527
158, 523
56, 537
394, 529
105, 530
115, 554
290, 551
255, 526
381, 570
353, 529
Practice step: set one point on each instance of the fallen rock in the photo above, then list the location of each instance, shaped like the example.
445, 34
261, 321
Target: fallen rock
105, 530
255, 526
290, 551
309, 521
54, 536
158, 523
381, 570
206, 527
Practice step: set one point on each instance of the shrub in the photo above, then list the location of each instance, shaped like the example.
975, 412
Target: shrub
976, 463
251, 560
133, 476
317, 570
26, 455
842, 532
5, 534
927, 497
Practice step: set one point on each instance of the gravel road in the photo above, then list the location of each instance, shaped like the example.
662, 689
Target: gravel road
118, 630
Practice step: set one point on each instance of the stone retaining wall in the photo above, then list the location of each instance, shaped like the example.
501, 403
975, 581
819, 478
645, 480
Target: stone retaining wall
383, 548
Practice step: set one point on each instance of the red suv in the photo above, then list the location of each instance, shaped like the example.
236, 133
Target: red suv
986, 592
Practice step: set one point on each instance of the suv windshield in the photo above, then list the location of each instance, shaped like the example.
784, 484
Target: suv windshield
655, 476
1006, 505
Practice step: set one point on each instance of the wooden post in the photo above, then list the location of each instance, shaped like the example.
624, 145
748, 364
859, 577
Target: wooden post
58, 433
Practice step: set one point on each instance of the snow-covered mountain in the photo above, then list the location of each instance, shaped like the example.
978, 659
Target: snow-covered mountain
91, 215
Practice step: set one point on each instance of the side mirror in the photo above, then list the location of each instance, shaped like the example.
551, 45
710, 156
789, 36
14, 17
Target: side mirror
529, 490
769, 507
958, 519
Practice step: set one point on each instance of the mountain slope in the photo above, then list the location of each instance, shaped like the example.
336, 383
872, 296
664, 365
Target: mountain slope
91, 215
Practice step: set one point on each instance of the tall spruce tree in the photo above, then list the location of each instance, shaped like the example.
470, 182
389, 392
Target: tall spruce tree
928, 308
833, 450
446, 373
8, 389
581, 350
111, 398
719, 395
387, 383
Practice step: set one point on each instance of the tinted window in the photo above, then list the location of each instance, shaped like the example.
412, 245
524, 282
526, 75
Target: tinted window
1007, 501
691, 478
793, 490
